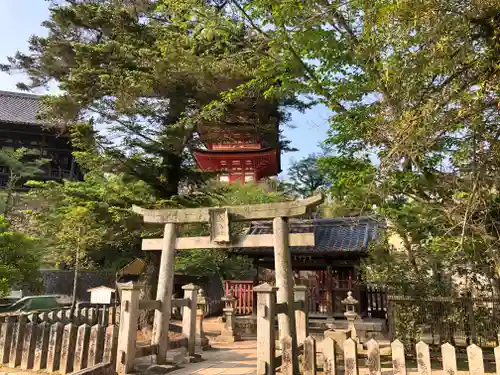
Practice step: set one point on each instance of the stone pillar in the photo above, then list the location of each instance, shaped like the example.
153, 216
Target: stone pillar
284, 282
228, 333
16, 346
164, 293
201, 340
301, 313
266, 341
128, 328
189, 316
256, 264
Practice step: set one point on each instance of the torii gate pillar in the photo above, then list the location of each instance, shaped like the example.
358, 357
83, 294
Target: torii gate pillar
164, 292
220, 237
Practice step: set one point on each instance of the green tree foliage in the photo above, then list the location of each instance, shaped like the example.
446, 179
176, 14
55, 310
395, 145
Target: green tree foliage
95, 213
414, 85
21, 165
19, 259
140, 73
305, 177
95, 217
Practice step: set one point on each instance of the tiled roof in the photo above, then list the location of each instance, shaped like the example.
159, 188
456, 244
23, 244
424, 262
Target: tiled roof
349, 234
20, 108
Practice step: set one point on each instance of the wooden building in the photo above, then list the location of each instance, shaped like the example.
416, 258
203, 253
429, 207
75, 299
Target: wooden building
20, 126
330, 268
243, 148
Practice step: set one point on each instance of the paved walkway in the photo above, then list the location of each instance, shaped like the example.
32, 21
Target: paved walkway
238, 358
235, 359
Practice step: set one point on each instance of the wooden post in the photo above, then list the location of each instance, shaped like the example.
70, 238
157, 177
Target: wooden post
266, 342
189, 316
301, 318
284, 282
164, 292
128, 329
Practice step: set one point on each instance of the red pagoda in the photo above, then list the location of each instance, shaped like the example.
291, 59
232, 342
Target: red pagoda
242, 149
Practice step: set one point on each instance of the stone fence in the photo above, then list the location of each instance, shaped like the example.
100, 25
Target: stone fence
104, 316
324, 358
91, 339
55, 347
301, 355
128, 351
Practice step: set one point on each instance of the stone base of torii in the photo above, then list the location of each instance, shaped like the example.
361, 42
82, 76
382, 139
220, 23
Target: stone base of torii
219, 219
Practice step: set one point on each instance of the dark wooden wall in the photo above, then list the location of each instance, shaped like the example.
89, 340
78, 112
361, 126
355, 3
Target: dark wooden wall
44, 143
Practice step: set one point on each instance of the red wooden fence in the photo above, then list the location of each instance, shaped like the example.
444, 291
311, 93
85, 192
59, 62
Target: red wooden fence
325, 297
242, 290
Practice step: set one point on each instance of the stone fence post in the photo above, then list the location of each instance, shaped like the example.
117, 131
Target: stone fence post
129, 314
266, 340
189, 316
301, 316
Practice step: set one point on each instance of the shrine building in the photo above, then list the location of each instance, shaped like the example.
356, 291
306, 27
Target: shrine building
330, 268
20, 126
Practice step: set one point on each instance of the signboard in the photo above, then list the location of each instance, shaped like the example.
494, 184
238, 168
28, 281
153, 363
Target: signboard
101, 295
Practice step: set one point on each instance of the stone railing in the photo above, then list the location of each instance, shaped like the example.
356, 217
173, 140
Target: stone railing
62, 346
90, 339
324, 360
267, 312
310, 359
104, 316
130, 307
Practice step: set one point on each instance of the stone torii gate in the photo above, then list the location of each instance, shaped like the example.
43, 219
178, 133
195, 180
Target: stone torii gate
219, 219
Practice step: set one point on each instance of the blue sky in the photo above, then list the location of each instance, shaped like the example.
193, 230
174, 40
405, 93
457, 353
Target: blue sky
19, 19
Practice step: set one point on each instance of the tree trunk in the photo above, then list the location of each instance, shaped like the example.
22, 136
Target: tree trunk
171, 168
409, 251
75, 278
150, 280
11, 184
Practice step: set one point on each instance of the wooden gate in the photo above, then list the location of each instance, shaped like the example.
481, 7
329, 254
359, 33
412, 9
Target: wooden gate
242, 291
326, 292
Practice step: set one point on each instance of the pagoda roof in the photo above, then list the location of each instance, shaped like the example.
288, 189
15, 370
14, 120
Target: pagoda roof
345, 234
20, 108
235, 151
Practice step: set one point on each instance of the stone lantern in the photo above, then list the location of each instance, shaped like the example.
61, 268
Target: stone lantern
228, 333
201, 303
350, 313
